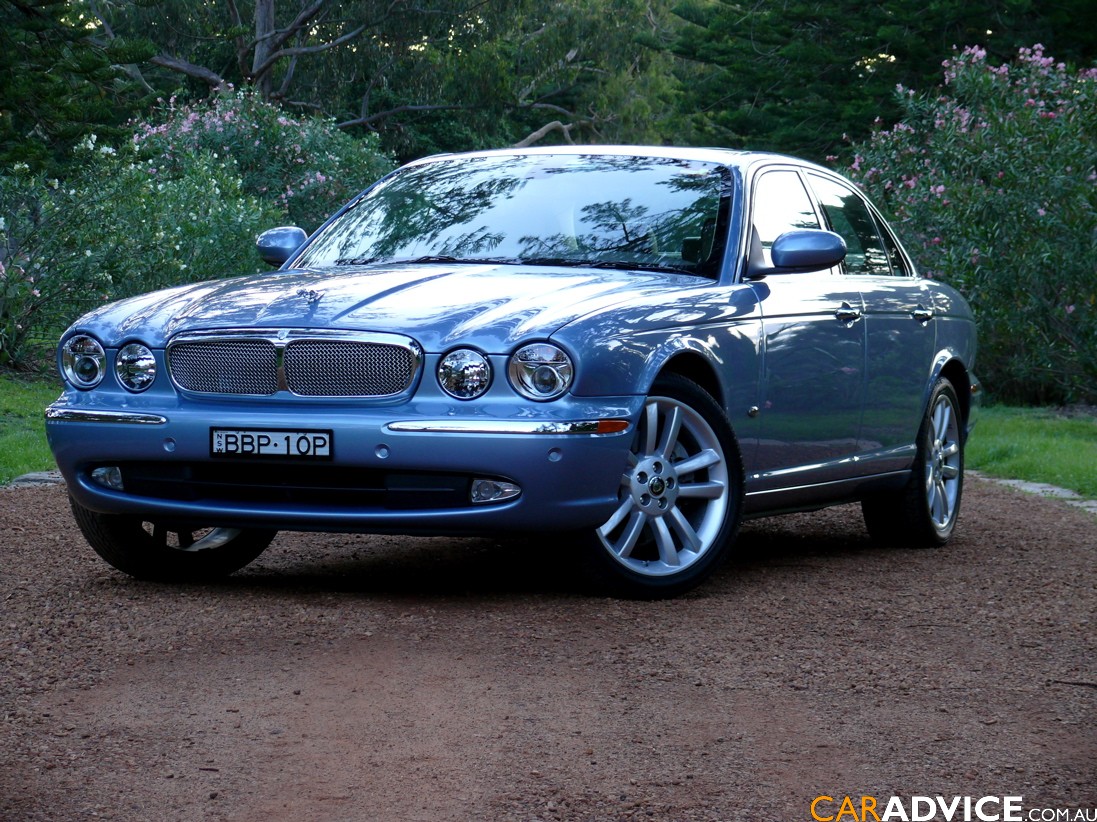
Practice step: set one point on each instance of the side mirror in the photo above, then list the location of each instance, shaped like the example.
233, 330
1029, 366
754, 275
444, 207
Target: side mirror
807, 250
276, 245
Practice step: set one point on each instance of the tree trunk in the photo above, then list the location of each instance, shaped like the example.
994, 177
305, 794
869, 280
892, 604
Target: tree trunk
264, 46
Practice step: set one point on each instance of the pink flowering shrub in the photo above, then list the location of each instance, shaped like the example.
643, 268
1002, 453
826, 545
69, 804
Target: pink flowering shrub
305, 167
110, 229
182, 201
991, 181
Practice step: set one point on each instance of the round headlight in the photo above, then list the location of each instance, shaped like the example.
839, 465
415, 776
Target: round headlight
135, 367
83, 361
540, 371
464, 374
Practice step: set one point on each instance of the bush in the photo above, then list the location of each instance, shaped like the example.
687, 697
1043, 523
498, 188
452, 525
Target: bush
181, 202
118, 226
305, 167
994, 185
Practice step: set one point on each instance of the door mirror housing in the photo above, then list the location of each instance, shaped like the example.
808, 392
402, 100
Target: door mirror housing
276, 245
798, 251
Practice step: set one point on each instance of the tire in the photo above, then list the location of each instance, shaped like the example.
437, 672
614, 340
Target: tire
169, 553
923, 514
680, 497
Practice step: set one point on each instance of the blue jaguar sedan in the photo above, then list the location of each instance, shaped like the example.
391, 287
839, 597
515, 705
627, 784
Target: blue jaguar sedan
632, 349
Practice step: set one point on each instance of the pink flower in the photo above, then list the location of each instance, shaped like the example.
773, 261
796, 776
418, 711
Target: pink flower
1041, 212
1070, 309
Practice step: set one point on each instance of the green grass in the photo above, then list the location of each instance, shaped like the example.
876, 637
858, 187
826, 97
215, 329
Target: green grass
1032, 444
22, 430
1038, 445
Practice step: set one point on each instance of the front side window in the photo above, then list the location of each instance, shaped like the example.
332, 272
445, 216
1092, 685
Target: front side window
849, 216
781, 203
605, 211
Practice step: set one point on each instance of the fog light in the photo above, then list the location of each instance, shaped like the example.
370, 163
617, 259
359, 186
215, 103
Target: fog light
109, 477
485, 490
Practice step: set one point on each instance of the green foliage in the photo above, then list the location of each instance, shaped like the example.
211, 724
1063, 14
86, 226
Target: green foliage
304, 167
797, 75
56, 82
993, 182
1038, 445
23, 447
179, 202
120, 225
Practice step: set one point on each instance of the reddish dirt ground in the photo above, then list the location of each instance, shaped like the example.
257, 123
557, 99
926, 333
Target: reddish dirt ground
382, 678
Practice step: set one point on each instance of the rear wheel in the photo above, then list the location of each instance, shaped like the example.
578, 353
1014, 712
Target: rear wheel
924, 512
680, 496
167, 552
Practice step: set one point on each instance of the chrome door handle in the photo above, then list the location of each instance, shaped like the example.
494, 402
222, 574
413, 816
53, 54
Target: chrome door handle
922, 314
848, 314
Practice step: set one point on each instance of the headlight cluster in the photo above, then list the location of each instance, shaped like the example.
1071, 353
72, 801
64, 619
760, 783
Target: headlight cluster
84, 364
538, 372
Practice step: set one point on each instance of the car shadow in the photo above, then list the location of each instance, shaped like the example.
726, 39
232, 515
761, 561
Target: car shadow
550, 565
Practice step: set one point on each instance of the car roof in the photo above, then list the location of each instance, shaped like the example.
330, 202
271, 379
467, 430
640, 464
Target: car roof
723, 156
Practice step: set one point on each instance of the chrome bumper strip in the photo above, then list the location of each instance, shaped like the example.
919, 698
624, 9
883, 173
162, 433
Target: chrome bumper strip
496, 427
61, 414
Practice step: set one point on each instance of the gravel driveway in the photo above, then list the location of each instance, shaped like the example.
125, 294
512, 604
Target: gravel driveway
379, 678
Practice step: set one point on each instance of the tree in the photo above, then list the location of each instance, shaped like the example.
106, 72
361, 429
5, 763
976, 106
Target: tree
437, 76
797, 75
55, 82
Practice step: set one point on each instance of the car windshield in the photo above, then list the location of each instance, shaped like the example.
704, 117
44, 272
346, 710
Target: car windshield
618, 211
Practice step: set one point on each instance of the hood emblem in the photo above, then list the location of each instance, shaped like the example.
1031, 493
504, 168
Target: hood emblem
311, 297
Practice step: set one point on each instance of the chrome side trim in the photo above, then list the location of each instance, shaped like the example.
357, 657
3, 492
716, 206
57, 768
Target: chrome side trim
61, 414
495, 427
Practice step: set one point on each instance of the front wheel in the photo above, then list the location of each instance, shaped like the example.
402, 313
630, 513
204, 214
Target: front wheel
680, 496
169, 553
923, 514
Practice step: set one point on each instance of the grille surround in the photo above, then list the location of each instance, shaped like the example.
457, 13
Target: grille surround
308, 363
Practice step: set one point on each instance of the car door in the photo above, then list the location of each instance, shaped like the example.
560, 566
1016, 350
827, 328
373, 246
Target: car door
814, 351
899, 325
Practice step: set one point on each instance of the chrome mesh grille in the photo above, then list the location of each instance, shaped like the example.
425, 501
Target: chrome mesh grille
311, 367
225, 366
334, 368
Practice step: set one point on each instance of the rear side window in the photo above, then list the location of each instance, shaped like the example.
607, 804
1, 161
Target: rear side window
868, 250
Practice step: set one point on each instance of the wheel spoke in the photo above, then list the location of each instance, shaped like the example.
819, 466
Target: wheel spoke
623, 547
684, 529
940, 506
942, 417
701, 490
702, 459
668, 553
617, 518
950, 472
651, 427
950, 450
671, 429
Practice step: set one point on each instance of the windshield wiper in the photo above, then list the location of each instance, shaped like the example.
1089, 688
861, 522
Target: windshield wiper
358, 260
426, 258
620, 265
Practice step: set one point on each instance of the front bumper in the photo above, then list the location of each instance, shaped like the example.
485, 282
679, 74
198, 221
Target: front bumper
401, 468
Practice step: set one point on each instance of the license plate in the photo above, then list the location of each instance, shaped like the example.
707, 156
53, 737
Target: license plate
270, 442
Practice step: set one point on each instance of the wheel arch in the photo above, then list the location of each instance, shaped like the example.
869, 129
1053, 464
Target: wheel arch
953, 369
691, 365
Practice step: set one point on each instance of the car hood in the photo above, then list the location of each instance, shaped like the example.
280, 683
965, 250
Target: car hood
489, 306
